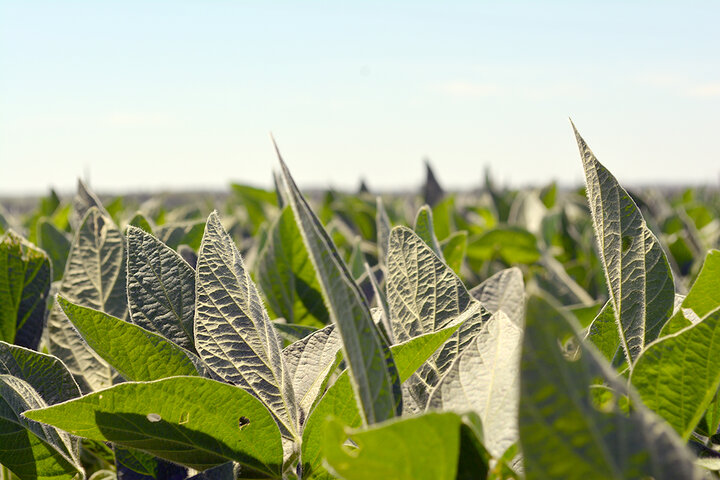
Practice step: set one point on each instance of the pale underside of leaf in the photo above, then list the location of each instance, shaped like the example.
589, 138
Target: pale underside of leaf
233, 333
504, 291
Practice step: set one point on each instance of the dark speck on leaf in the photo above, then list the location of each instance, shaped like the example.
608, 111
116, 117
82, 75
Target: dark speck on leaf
243, 421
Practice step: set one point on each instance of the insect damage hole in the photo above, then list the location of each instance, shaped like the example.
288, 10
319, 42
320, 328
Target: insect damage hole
153, 417
242, 421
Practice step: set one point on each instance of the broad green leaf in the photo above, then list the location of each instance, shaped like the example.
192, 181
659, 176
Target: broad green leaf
192, 421
29, 449
137, 354
287, 276
131, 464
356, 262
563, 433
338, 399
372, 370
94, 277
424, 229
473, 458
258, 202
678, 375
45, 373
310, 362
504, 291
337, 402
704, 296
453, 250
485, 379
638, 275
444, 217
161, 288
603, 332
510, 244
383, 227
417, 448
56, 244
24, 286
233, 333
142, 222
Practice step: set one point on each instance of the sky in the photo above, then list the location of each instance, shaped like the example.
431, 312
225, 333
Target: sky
169, 95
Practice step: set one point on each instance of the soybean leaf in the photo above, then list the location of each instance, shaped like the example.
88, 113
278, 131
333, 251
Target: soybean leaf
32, 450
432, 191
45, 373
181, 233
131, 464
424, 229
24, 286
564, 434
137, 354
504, 292
94, 277
233, 333
509, 244
453, 250
287, 276
678, 375
161, 288
193, 421
417, 448
83, 201
337, 402
56, 244
603, 332
412, 354
485, 379
638, 275
372, 370
142, 222
310, 362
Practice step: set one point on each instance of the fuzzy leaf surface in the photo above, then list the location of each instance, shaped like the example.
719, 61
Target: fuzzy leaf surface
486, 379
94, 277
161, 288
504, 291
233, 333
637, 272
371, 367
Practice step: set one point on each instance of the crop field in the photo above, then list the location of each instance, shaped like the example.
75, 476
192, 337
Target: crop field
541, 333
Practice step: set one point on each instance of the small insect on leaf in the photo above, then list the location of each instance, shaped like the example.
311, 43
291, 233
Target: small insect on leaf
242, 421
153, 417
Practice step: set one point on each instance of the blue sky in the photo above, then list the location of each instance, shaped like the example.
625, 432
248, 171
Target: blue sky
169, 95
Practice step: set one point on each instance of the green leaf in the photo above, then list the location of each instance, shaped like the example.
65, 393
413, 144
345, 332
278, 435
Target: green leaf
56, 244
142, 222
704, 296
287, 276
137, 354
504, 291
233, 333
32, 450
337, 402
290, 332
485, 379
453, 250
603, 332
310, 362
161, 288
192, 421
418, 448
638, 275
411, 354
181, 233
678, 375
83, 201
94, 277
372, 370
45, 373
24, 285
259, 203
511, 244
564, 434
424, 229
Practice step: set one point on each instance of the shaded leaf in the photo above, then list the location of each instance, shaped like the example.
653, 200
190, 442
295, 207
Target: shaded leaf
504, 291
